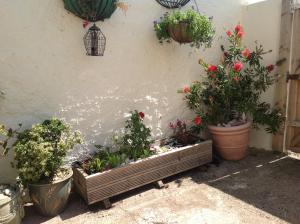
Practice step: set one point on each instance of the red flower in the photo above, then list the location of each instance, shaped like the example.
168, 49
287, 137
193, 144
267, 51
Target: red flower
238, 28
85, 23
236, 78
212, 68
240, 34
246, 53
198, 120
229, 33
142, 115
238, 66
270, 68
186, 89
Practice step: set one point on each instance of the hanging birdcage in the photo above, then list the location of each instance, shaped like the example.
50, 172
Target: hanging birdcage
94, 41
171, 4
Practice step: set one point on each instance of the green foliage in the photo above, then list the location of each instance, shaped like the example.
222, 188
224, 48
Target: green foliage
199, 27
103, 160
133, 145
232, 89
136, 140
7, 134
39, 151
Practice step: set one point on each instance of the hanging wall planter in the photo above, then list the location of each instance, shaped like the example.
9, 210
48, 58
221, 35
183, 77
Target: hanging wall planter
179, 33
185, 27
91, 10
172, 4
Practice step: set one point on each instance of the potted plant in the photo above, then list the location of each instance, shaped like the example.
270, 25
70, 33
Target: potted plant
39, 155
132, 162
185, 27
11, 203
228, 100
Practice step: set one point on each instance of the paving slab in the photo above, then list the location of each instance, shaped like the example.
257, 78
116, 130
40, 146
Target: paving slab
263, 188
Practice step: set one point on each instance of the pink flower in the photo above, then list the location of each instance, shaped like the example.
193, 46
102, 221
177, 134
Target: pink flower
229, 33
186, 89
238, 66
179, 122
246, 53
198, 120
270, 68
142, 115
212, 68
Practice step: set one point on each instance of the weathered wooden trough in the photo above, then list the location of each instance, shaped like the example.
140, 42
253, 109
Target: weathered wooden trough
102, 186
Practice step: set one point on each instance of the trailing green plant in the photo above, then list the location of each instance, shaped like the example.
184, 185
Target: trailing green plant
40, 151
230, 94
199, 27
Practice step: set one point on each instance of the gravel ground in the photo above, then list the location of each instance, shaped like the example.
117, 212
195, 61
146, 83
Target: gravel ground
263, 188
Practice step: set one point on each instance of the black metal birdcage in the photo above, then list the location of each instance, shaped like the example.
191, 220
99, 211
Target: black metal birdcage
94, 41
171, 4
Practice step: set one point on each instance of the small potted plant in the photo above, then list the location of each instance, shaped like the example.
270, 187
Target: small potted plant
185, 27
228, 100
39, 155
11, 203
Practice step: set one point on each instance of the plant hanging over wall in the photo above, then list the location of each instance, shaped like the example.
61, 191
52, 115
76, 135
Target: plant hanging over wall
185, 27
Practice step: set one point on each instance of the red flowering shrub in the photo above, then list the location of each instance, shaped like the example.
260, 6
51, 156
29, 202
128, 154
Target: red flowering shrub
230, 94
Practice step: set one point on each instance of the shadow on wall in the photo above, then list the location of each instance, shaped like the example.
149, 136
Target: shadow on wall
102, 117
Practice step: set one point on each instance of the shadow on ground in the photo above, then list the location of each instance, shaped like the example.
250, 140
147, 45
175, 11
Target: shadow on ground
267, 181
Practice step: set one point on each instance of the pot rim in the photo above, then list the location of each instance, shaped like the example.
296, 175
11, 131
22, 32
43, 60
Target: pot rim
55, 182
234, 128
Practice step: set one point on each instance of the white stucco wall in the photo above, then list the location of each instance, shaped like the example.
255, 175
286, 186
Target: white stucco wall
45, 72
261, 20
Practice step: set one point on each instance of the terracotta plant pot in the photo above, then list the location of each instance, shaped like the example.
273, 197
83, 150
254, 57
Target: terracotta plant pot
179, 33
51, 199
231, 142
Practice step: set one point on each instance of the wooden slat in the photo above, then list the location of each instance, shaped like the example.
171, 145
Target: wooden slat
283, 68
110, 183
294, 123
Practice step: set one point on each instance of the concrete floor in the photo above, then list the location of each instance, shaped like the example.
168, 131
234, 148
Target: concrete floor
263, 188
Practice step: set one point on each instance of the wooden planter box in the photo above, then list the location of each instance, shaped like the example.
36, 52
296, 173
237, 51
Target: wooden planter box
102, 186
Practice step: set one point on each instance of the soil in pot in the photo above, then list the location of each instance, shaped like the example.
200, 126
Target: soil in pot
231, 142
179, 33
50, 199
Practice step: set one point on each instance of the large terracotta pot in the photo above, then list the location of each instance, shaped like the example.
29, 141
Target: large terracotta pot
179, 33
51, 199
231, 142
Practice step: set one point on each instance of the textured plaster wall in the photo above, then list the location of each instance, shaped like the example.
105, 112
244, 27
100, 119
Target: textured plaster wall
261, 20
45, 72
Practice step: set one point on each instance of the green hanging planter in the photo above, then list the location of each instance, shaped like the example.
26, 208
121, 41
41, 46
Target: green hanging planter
91, 10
